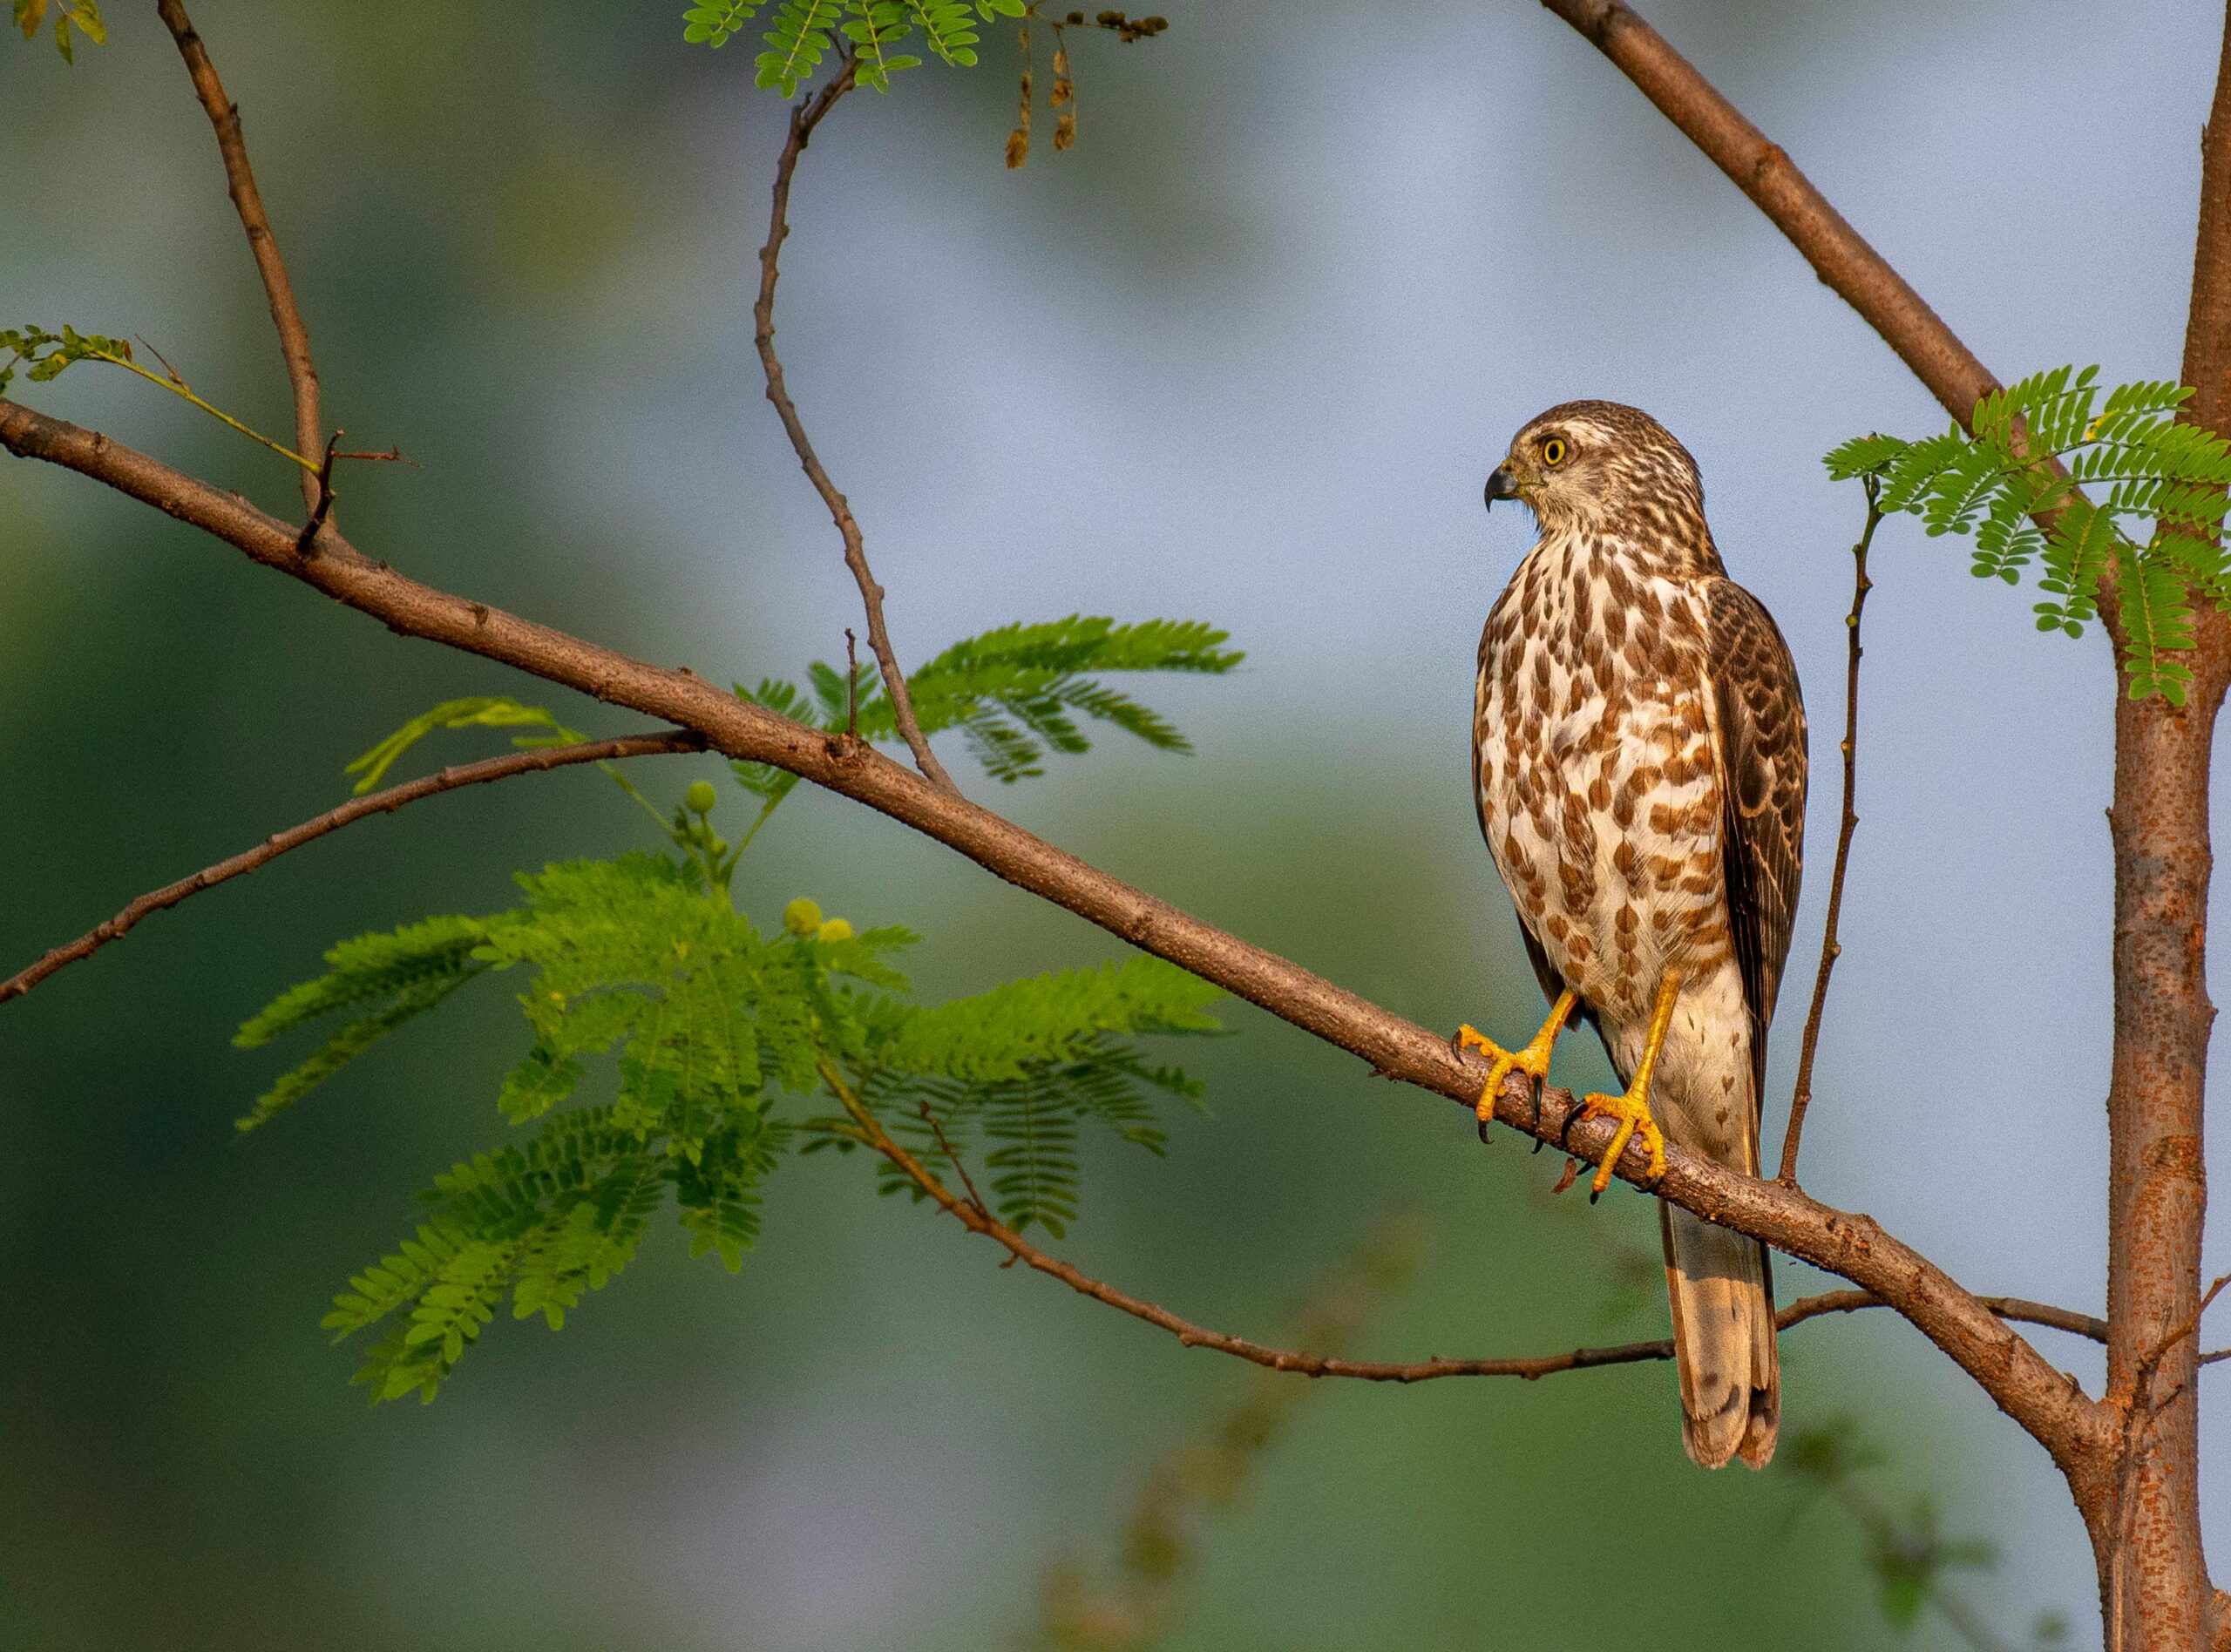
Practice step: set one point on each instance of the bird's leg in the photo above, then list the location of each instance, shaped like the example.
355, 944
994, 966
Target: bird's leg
1632, 1110
1533, 1060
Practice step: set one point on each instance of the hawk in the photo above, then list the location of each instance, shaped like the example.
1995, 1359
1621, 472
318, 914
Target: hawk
1638, 760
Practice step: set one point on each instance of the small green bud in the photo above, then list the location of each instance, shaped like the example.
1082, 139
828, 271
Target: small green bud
802, 916
701, 797
835, 929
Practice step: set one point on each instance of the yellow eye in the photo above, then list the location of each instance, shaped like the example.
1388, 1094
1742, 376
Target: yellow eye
1554, 451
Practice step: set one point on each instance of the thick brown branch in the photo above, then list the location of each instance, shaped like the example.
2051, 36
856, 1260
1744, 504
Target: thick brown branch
1831, 949
2046, 1402
378, 802
1839, 254
804, 118
240, 180
2208, 323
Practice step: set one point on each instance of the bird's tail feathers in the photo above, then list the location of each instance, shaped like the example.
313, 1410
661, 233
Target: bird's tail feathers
1722, 1291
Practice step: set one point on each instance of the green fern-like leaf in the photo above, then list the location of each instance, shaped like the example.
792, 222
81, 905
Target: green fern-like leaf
393, 1281
1053, 1018
1016, 694
719, 1192
585, 1242
498, 711
1034, 1162
1019, 1067
399, 976
2158, 619
796, 41
42, 356
715, 23
949, 26
1864, 455
874, 28
449, 1315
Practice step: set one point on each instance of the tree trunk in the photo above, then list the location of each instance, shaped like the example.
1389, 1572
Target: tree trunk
2145, 1531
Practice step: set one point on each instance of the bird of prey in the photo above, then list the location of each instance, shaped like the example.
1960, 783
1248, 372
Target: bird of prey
1638, 760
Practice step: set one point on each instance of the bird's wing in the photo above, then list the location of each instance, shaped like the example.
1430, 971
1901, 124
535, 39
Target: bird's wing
1760, 746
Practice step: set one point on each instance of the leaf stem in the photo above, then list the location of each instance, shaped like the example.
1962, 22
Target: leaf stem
178, 387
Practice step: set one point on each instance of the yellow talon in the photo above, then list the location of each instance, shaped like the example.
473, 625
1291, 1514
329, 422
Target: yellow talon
1632, 1110
1533, 1060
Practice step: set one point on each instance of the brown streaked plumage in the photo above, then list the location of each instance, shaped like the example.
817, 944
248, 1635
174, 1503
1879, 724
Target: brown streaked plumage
1639, 768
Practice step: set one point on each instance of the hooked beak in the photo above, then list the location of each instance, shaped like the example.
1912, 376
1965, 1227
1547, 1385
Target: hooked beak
1501, 485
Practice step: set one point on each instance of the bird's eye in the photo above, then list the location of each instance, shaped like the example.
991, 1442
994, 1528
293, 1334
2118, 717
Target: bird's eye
1554, 451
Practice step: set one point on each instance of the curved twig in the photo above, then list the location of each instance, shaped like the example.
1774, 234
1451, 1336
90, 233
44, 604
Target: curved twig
972, 1214
379, 802
1831, 949
804, 118
247, 200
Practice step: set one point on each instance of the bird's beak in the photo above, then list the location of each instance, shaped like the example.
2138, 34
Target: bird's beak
1501, 485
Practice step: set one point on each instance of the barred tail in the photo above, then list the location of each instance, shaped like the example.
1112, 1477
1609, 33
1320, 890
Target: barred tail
1723, 1295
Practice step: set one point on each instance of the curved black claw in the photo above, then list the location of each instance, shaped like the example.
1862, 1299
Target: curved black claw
1564, 1130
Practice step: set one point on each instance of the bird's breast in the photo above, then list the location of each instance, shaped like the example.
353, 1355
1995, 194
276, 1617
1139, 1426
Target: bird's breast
1597, 790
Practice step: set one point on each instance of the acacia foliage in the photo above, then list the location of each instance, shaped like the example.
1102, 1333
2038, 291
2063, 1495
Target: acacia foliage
2126, 491
1017, 694
800, 32
677, 1053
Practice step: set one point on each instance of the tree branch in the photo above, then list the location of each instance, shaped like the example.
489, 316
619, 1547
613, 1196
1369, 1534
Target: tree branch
378, 802
1839, 254
2043, 1400
1831, 949
804, 118
247, 200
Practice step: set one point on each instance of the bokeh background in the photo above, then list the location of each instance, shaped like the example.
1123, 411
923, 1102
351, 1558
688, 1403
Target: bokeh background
1244, 355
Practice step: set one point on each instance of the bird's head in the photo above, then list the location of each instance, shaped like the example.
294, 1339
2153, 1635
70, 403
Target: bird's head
1600, 464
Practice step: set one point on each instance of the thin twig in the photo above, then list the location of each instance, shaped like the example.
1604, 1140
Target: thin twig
851, 685
804, 118
378, 802
971, 1214
247, 200
1832, 948
323, 507
960, 1166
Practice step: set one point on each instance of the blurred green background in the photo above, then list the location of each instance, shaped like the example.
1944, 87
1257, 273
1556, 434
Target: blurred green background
1242, 355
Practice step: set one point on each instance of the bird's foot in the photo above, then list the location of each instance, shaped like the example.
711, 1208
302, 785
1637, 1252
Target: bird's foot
1533, 1060
1632, 1111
